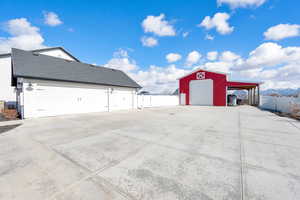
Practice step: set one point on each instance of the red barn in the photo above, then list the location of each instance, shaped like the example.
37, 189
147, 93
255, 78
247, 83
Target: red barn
203, 87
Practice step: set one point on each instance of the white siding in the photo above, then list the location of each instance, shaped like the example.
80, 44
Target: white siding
122, 99
40, 98
52, 98
7, 92
182, 99
57, 53
145, 101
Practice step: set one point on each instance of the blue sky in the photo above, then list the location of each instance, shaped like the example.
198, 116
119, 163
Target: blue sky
110, 32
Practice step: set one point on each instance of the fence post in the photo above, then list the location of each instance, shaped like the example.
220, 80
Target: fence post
275, 104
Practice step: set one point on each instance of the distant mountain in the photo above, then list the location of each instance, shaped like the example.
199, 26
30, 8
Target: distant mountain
242, 94
282, 92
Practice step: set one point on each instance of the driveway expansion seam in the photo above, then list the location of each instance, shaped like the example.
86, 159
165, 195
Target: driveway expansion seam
268, 170
294, 125
94, 174
181, 150
264, 130
242, 154
275, 144
89, 176
268, 135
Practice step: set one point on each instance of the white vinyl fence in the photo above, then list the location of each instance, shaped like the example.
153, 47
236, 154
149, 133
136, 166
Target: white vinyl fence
145, 101
280, 104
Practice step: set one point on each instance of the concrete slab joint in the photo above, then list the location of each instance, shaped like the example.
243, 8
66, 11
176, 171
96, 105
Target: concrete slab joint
160, 153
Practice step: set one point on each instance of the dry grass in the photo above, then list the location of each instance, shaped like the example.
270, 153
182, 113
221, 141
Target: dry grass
295, 111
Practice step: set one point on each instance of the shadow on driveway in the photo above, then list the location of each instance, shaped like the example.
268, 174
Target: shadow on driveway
8, 127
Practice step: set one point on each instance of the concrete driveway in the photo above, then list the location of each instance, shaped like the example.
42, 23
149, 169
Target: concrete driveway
158, 153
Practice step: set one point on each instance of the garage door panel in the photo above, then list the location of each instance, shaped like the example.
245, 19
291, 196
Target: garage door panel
51, 101
121, 100
201, 92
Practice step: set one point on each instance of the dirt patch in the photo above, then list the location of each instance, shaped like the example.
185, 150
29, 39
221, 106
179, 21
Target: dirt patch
297, 117
8, 115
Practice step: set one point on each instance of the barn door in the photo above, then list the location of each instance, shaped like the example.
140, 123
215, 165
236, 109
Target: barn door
201, 92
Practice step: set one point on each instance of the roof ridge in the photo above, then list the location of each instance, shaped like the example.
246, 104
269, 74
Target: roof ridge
201, 69
53, 57
42, 50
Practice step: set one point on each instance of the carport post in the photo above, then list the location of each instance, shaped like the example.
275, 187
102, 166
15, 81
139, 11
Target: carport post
258, 94
250, 96
254, 96
253, 99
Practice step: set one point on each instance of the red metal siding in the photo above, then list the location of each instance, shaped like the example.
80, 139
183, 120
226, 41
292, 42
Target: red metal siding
219, 86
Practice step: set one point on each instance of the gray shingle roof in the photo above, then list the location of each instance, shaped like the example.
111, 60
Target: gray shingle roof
32, 65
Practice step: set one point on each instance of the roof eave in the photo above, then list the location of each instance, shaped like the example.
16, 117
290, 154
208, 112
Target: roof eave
70, 81
198, 69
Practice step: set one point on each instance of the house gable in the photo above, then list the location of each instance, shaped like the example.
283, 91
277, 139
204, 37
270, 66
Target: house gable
7, 92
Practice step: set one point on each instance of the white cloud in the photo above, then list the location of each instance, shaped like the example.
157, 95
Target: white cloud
241, 3
154, 79
149, 41
277, 66
269, 84
52, 19
212, 55
193, 58
209, 37
267, 55
185, 34
22, 35
217, 66
173, 57
229, 56
261, 65
158, 25
122, 61
218, 21
280, 78
159, 79
282, 31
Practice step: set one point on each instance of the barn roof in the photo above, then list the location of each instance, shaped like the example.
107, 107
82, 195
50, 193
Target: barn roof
28, 64
200, 69
237, 85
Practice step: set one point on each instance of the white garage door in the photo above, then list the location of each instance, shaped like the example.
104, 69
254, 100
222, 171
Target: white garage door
201, 92
54, 100
121, 99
